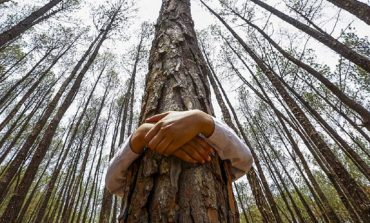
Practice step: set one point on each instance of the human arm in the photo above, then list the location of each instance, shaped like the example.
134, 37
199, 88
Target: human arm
230, 147
193, 152
174, 128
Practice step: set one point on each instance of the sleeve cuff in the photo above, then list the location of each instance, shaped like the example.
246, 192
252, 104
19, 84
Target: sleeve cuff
219, 136
115, 174
229, 146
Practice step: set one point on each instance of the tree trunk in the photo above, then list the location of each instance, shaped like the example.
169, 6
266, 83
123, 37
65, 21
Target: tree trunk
3, 76
359, 9
324, 38
268, 210
37, 128
356, 159
167, 189
361, 110
18, 196
9, 92
26, 23
353, 189
329, 172
328, 209
339, 111
32, 89
54, 177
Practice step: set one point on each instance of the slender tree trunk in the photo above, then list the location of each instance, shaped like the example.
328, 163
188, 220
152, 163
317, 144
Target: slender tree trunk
34, 101
359, 9
15, 164
241, 203
362, 111
9, 92
102, 146
329, 172
339, 111
54, 177
23, 128
328, 209
276, 155
36, 186
31, 90
26, 23
355, 192
106, 204
31, 170
356, 159
3, 76
177, 191
72, 172
324, 38
217, 87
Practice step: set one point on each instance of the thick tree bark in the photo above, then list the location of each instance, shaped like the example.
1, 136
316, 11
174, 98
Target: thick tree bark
26, 23
357, 8
167, 189
332, 43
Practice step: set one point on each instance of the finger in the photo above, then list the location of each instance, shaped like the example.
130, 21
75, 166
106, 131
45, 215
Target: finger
154, 142
172, 147
198, 149
152, 132
202, 142
163, 145
184, 156
193, 152
203, 147
156, 118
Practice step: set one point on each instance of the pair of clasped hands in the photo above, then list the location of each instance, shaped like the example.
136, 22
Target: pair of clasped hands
176, 133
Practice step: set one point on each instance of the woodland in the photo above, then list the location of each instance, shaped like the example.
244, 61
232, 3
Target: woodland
290, 77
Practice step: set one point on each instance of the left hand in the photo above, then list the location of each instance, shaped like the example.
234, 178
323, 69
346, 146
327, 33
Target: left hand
174, 129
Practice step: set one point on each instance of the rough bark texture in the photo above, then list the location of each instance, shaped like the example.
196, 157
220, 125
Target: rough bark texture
167, 189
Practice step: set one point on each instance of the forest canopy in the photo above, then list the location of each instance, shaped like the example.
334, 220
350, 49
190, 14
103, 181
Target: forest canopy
291, 78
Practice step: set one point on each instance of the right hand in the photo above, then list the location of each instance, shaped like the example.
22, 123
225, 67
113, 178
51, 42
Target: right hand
197, 150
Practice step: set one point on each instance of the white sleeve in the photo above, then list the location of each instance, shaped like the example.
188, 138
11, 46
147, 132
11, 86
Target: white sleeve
230, 147
115, 176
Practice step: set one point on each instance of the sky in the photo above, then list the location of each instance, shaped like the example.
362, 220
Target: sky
149, 10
